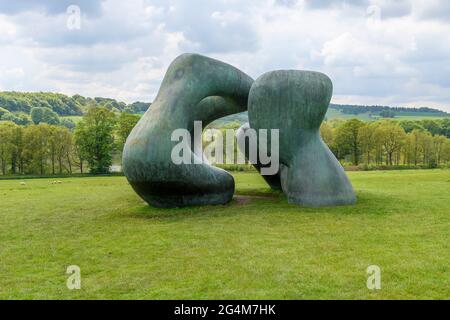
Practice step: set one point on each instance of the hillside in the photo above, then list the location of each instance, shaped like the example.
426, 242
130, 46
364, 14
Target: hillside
63, 105
17, 106
375, 112
362, 113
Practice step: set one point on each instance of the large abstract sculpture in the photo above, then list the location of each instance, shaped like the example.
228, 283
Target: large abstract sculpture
194, 88
295, 102
197, 88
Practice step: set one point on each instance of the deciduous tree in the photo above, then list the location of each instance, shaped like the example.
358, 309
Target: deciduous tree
94, 135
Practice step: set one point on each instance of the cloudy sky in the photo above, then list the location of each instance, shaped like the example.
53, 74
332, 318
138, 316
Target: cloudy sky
390, 52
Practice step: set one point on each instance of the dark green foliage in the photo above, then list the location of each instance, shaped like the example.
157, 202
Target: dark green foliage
357, 109
435, 127
69, 124
25, 101
94, 136
346, 139
24, 119
20, 119
44, 115
387, 114
409, 125
431, 126
9, 117
110, 104
62, 104
445, 127
125, 124
137, 107
2, 112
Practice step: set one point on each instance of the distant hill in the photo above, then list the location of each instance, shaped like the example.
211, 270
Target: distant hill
63, 105
364, 113
21, 103
384, 111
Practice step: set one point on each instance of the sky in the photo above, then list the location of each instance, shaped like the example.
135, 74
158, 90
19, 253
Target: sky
377, 52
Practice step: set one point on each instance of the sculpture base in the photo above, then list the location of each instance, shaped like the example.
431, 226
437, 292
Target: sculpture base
172, 195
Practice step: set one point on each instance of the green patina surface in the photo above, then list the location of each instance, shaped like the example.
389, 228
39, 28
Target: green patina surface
195, 88
198, 88
295, 102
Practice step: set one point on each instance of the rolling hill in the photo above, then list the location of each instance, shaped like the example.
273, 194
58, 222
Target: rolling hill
73, 107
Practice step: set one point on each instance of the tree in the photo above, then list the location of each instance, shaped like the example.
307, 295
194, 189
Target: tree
78, 157
44, 115
23, 119
425, 145
63, 146
6, 144
387, 114
68, 123
409, 147
37, 115
326, 132
347, 139
94, 136
413, 144
438, 144
3, 111
125, 124
445, 127
36, 147
60, 143
445, 155
17, 158
409, 125
137, 107
367, 140
391, 136
431, 126
20, 119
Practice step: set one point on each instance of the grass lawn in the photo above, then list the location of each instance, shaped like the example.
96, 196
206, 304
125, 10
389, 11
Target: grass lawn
256, 247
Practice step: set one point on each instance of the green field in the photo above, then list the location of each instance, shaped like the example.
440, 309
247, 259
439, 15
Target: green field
256, 247
337, 114
75, 119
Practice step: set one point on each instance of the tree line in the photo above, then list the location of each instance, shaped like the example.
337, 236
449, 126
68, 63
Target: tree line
19, 107
385, 110
389, 142
90, 146
54, 149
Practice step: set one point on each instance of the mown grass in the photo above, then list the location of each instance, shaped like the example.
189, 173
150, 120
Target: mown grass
256, 247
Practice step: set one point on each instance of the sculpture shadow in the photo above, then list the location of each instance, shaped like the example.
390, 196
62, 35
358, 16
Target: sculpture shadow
232, 208
369, 204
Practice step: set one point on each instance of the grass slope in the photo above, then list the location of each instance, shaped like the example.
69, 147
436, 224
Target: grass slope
256, 247
337, 114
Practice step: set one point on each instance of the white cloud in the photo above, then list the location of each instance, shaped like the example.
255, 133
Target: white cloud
376, 51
